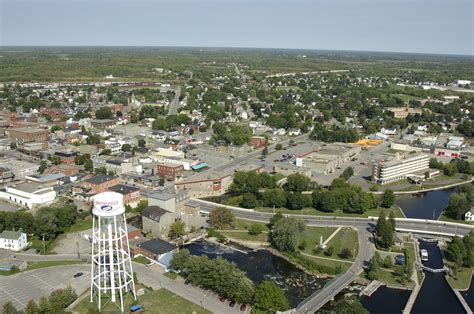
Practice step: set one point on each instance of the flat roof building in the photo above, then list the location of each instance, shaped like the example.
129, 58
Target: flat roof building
384, 172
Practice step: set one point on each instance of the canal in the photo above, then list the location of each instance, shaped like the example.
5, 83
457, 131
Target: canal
260, 265
427, 205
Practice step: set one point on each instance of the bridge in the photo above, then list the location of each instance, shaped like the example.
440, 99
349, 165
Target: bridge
366, 249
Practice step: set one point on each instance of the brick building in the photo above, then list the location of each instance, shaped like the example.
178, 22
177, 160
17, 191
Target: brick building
169, 171
257, 141
28, 135
100, 183
67, 158
131, 195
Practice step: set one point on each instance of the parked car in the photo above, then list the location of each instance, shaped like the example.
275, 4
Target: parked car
232, 303
222, 298
400, 260
243, 307
77, 275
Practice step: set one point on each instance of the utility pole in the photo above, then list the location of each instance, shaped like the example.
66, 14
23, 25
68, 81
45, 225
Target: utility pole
78, 253
44, 246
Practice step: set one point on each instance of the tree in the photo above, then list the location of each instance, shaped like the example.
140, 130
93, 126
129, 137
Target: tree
297, 201
285, 234
104, 113
42, 167
348, 172
61, 299
345, 253
388, 199
141, 143
297, 183
456, 251
449, 169
88, 165
55, 128
265, 151
221, 217
349, 306
32, 308
44, 305
160, 124
384, 231
249, 200
255, 229
55, 160
391, 220
278, 147
177, 229
374, 265
275, 219
8, 308
179, 259
270, 297
274, 198
126, 148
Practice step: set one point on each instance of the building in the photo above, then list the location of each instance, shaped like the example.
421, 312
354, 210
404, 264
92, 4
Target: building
13, 240
187, 164
403, 112
19, 168
156, 220
156, 250
212, 186
169, 171
447, 152
163, 199
28, 194
100, 183
103, 124
258, 141
28, 135
469, 216
114, 164
67, 158
131, 195
326, 159
398, 169
68, 170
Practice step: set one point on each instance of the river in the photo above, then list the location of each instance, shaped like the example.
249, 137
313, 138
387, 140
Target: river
260, 265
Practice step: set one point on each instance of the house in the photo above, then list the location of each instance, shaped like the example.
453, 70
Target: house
100, 183
28, 194
469, 216
157, 250
131, 195
13, 240
156, 220
389, 131
294, 132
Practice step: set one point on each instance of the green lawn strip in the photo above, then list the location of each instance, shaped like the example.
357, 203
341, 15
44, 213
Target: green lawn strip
142, 260
245, 236
159, 301
242, 224
312, 211
171, 275
390, 278
444, 217
43, 264
462, 278
410, 252
319, 265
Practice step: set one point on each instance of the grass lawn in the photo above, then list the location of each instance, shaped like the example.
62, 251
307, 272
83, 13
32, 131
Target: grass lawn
171, 275
141, 259
312, 236
159, 301
312, 211
242, 224
234, 200
345, 238
410, 252
43, 264
462, 278
320, 265
444, 217
391, 278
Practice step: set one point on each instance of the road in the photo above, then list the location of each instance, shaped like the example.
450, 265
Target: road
174, 104
364, 227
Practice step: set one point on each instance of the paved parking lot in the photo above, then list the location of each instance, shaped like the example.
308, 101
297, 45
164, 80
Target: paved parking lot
32, 285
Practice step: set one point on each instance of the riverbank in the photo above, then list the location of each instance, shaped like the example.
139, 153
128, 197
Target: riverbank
423, 190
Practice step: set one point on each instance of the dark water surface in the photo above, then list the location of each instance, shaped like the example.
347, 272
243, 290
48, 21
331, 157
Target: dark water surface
469, 294
427, 205
260, 265
386, 300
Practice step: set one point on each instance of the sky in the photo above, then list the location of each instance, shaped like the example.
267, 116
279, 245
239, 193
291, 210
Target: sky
423, 26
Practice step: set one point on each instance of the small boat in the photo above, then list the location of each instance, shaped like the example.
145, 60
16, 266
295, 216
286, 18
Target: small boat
424, 255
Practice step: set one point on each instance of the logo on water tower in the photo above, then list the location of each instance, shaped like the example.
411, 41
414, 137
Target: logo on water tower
106, 208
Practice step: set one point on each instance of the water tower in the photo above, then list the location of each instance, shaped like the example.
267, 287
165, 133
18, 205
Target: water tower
111, 269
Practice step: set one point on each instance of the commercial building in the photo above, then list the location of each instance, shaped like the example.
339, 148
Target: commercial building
100, 183
13, 240
403, 112
28, 135
212, 185
131, 195
258, 141
326, 159
66, 157
390, 171
447, 152
114, 164
156, 220
103, 124
186, 163
169, 171
157, 250
19, 168
28, 194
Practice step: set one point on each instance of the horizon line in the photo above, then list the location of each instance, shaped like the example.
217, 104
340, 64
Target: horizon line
243, 48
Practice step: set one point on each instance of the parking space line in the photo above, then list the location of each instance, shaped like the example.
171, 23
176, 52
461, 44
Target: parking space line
44, 281
13, 297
